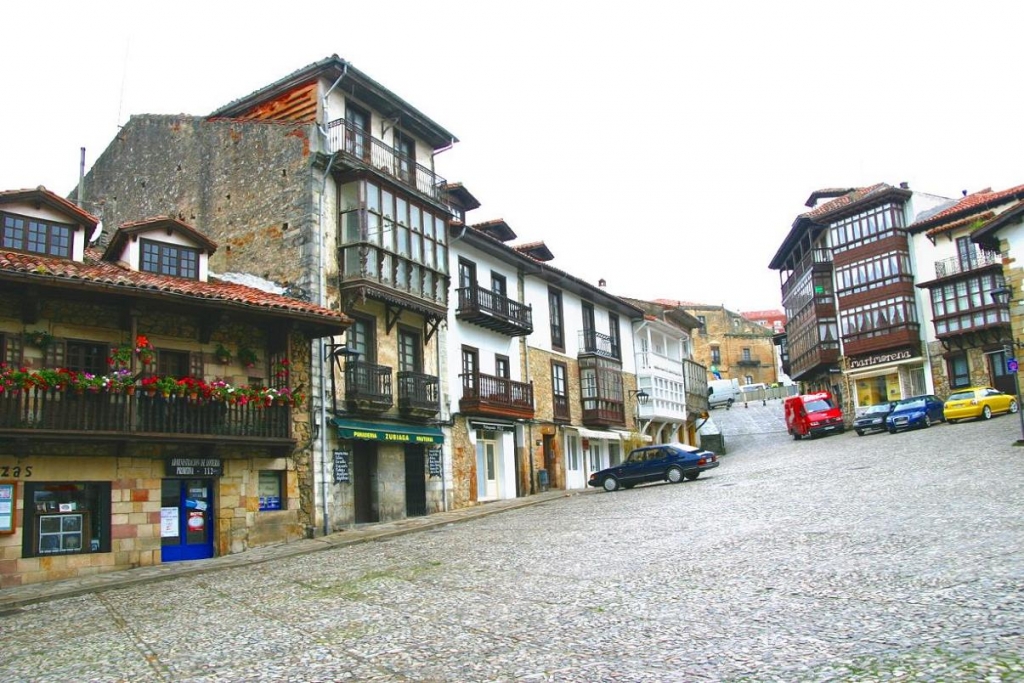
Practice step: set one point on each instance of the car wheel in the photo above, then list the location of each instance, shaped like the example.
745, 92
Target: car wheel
610, 484
986, 413
951, 421
1014, 407
796, 436
692, 475
892, 430
860, 432
674, 475
927, 422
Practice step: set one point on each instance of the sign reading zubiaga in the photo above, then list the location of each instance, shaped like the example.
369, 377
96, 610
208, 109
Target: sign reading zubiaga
879, 358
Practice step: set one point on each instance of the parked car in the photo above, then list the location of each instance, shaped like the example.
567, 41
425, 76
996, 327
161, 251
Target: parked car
873, 418
975, 402
812, 415
915, 411
665, 462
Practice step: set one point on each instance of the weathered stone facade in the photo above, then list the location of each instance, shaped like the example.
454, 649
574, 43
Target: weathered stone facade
744, 347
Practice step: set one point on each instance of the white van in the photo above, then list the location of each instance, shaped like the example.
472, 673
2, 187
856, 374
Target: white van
723, 392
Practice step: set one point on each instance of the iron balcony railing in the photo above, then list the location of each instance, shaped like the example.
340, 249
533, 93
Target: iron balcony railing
368, 386
357, 143
964, 263
494, 311
418, 393
598, 344
107, 414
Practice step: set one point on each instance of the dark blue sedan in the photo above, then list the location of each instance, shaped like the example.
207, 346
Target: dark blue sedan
664, 462
913, 412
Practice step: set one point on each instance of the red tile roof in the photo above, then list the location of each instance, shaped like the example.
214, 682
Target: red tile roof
41, 194
972, 203
851, 197
94, 273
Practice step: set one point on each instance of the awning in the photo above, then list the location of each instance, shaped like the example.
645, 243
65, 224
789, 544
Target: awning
596, 434
626, 436
392, 433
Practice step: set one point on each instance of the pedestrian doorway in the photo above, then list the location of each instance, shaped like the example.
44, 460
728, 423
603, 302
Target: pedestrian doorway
364, 481
1002, 379
487, 465
415, 481
186, 519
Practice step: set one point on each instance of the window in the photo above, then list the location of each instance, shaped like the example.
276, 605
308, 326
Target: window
716, 355
357, 142
36, 236
409, 357
499, 285
470, 366
559, 390
173, 363
746, 354
360, 338
959, 375
63, 518
88, 357
613, 334
863, 228
271, 490
555, 312
703, 324
169, 259
502, 367
748, 379
405, 147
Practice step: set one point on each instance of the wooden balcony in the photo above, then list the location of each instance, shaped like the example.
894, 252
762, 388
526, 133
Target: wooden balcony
560, 409
818, 260
368, 387
495, 396
102, 416
494, 311
600, 412
825, 355
359, 146
907, 334
418, 394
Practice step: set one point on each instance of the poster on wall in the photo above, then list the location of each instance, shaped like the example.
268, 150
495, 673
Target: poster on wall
169, 522
7, 508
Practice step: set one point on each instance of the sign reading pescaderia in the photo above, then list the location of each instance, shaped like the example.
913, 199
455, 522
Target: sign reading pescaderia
195, 467
879, 358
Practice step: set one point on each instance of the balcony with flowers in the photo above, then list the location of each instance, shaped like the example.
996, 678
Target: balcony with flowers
121, 406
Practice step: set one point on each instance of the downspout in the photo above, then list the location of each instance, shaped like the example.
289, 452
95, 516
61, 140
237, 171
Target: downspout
322, 300
440, 411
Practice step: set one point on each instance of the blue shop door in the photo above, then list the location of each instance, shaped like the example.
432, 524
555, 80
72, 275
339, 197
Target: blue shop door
186, 519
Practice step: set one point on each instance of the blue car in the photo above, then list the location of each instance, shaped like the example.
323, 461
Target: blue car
670, 462
914, 412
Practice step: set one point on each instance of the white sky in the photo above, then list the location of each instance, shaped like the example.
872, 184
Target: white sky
664, 146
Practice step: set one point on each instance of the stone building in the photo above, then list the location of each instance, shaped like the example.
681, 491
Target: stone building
324, 183
148, 412
728, 344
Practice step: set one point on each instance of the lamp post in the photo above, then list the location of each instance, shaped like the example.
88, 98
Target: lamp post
642, 397
1001, 296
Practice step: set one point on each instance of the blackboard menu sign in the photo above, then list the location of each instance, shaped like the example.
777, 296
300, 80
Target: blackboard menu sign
434, 462
341, 469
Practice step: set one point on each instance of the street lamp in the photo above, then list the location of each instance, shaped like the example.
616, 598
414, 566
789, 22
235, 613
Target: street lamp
642, 397
1001, 296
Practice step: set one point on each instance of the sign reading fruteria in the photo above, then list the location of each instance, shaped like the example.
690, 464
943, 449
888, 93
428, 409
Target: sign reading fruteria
195, 467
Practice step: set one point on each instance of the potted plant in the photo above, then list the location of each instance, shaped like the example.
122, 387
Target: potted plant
41, 339
120, 357
247, 357
144, 349
281, 369
223, 354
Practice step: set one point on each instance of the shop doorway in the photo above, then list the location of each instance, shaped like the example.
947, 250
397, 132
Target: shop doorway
1002, 379
186, 519
415, 481
487, 466
364, 481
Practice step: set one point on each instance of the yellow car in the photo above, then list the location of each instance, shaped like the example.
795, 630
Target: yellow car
974, 402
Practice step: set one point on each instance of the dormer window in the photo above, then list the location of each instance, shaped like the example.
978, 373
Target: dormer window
169, 259
36, 236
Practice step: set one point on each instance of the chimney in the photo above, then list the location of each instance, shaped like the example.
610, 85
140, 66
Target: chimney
601, 283
904, 185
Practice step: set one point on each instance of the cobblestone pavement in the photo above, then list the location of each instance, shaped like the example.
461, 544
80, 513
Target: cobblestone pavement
884, 557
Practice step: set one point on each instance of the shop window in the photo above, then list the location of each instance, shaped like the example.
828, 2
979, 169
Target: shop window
66, 518
271, 490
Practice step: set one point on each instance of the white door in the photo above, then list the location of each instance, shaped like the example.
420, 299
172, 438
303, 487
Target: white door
487, 468
574, 478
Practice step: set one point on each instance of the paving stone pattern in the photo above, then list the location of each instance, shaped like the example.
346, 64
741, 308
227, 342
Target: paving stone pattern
877, 558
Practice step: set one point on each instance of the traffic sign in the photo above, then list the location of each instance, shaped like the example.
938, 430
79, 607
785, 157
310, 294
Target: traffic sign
1011, 365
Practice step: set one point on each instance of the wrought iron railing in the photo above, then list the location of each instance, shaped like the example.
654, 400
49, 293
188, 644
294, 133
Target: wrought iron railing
964, 263
475, 298
368, 384
418, 392
355, 142
598, 344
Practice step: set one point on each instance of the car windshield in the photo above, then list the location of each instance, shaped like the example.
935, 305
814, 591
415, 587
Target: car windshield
817, 405
960, 396
910, 404
880, 408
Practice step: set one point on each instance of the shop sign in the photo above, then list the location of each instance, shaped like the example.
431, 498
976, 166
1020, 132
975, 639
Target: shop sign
341, 469
879, 358
434, 462
195, 467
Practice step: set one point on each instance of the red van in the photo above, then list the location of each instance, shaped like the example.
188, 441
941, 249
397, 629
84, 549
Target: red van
812, 415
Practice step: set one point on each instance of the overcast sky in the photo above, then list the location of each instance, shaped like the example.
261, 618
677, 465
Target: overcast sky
666, 147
